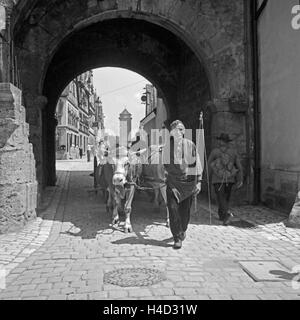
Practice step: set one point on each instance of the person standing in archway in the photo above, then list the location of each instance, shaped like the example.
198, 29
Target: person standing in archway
184, 174
226, 170
89, 149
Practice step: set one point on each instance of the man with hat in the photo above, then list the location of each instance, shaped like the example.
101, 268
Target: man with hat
226, 170
184, 173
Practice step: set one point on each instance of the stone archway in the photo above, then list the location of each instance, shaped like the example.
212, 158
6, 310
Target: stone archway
136, 45
192, 50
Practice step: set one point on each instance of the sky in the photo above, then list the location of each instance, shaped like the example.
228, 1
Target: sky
119, 89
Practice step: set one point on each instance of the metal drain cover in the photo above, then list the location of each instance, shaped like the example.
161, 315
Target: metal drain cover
272, 271
134, 277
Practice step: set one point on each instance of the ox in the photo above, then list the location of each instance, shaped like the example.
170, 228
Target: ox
122, 174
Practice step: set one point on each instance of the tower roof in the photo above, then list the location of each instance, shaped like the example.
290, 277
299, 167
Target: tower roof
125, 112
125, 115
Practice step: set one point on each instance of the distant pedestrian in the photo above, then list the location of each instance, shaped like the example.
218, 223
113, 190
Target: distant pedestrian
184, 174
88, 152
102, 153
77, 152
226, 171
80, 153
72, 152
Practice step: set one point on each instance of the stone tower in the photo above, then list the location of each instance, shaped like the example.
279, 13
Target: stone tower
125, 127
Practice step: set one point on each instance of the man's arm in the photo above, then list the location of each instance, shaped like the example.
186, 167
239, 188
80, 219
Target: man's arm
212, 157
198, 170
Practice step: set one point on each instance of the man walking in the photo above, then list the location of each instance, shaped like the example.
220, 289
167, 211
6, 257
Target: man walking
184, 173
226, 171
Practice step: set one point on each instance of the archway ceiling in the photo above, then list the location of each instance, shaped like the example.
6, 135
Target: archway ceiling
136, 45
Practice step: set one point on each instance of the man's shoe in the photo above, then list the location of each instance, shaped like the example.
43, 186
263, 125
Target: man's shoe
183, 236
177, 244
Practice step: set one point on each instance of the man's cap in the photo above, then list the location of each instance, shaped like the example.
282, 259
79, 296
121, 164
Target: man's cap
175, 123
224, 137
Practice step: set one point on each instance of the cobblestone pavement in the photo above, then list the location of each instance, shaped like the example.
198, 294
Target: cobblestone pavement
65, 253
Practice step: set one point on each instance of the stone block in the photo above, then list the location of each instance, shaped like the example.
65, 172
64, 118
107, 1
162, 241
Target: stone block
277, 178
231, 123
10, 102
31, 200
284, 202
17, 137
289, 182
7, 127
294, 218
218, 41
279, 188
92, 3
268, 201
16, 167
18, 186
269, 189
289, 187
13, 200
267, 177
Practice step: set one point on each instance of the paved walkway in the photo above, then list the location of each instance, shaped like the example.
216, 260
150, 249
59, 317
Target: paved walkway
65, 253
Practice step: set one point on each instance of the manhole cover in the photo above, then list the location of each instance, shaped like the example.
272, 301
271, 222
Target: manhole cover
272, 271
133, 277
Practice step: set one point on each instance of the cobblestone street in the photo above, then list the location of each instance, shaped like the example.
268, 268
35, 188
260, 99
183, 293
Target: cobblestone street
65, 253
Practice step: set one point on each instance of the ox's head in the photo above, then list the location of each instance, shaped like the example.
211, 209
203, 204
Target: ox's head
121, 170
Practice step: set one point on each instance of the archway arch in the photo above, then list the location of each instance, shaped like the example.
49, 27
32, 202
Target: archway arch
157, 20
134, 44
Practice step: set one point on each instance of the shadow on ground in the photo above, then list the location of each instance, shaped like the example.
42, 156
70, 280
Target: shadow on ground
85, 211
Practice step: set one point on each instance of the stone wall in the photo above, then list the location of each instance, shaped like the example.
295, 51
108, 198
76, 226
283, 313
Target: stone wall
18, 186
279, 188
279, 48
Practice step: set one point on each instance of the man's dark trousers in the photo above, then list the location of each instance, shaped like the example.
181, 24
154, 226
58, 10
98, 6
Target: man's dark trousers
223, 193
179, 215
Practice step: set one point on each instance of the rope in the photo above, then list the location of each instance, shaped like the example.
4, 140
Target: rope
146, 188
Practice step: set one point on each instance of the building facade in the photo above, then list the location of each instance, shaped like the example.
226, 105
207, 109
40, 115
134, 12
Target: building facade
155, 114
80, 117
